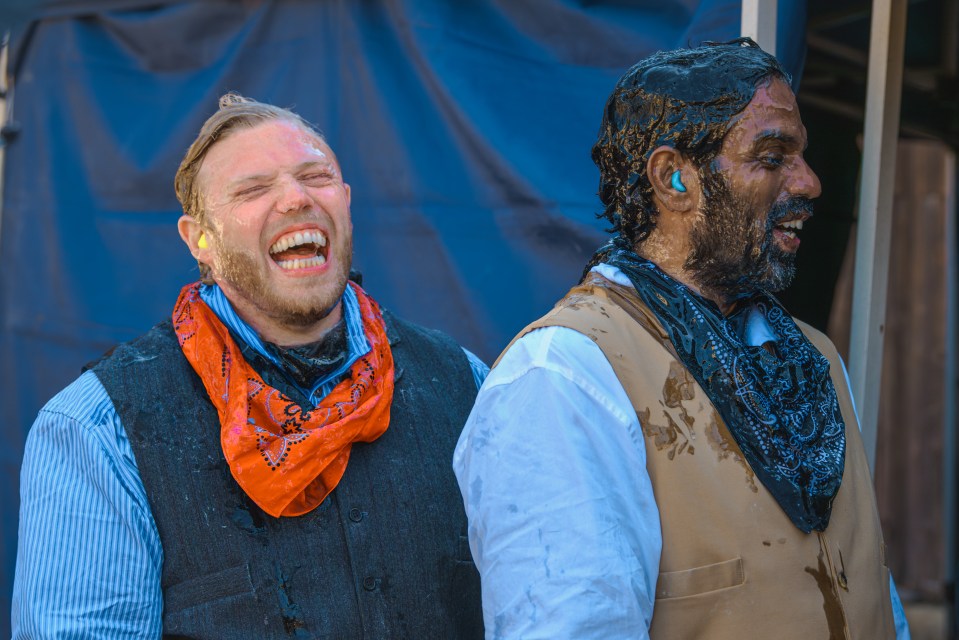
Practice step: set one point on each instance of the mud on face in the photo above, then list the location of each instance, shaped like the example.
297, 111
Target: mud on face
732, 249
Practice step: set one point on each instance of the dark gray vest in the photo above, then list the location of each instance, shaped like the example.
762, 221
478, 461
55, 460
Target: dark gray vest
384, 556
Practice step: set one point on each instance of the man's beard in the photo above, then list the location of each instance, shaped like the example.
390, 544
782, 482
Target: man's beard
242, 271
733, 252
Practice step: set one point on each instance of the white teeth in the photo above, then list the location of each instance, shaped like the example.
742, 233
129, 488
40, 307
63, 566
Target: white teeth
297, 239
301, 263
792, 224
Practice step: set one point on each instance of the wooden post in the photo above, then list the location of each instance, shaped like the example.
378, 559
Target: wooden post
759, 23
883, 97
949, 440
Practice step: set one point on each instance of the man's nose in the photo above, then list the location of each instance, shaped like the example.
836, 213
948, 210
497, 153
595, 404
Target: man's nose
292, 197
803, 181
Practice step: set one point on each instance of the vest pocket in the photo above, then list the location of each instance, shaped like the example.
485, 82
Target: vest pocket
228, 583
699, 580
218, 605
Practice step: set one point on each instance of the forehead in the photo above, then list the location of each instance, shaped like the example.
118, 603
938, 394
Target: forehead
772, 111
263, 150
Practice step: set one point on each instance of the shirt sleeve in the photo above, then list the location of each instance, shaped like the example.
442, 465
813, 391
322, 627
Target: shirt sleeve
563, 523
477, 367
89, 557
898, 614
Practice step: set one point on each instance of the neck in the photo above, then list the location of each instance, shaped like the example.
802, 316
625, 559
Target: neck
672, 260
271, 329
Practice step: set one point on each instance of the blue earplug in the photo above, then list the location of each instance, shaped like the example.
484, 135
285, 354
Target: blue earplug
677, 182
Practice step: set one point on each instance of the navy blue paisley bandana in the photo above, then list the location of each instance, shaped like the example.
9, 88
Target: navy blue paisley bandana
782, 411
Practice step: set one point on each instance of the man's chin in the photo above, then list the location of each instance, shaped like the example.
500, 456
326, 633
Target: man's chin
285, 306
305, 316
301, 302
780, 272
298, 307
734, 283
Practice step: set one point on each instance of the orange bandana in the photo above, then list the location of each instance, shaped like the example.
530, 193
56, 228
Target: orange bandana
286, 459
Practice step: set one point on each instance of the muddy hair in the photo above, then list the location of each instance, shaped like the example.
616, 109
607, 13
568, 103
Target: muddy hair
684, 98
235, 112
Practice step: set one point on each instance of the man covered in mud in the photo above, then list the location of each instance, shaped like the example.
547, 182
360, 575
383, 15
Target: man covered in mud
668, 453
273, 460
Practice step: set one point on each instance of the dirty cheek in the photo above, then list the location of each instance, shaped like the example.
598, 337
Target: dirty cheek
240, 222
215, 222
757, 186
217, 209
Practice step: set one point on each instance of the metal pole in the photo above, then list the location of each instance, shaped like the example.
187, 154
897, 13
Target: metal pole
759, 23
883, 95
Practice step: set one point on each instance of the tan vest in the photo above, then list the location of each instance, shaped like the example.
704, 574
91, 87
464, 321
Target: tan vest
733, 565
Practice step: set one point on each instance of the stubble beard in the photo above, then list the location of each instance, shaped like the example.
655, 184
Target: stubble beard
733, 252
242, 271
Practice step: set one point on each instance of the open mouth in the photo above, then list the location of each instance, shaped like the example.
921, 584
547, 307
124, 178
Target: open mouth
300, 250
790, 228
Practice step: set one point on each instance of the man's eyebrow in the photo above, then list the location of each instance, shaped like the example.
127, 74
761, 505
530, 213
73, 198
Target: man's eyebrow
265, 177
310, 164
776, 135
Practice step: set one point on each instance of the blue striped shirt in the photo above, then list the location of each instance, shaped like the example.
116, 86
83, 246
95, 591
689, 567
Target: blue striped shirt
89, 558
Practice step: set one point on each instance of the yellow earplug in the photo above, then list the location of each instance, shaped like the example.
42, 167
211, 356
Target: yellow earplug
201, 243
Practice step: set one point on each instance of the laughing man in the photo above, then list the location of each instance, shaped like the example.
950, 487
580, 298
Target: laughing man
668, 453
273, 459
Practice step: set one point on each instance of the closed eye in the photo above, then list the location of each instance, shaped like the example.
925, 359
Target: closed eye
251, 192
316, 178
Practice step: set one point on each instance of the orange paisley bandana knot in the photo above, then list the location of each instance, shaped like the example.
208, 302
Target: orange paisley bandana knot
287, 459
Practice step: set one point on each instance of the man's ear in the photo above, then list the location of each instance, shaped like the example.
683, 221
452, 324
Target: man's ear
674, 180
196, 239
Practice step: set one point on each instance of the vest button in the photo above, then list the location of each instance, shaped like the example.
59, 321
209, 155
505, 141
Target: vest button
370, 583
843, 581
356, 515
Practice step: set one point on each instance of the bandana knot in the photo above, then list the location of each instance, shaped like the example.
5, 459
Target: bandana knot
285, 458
781, 409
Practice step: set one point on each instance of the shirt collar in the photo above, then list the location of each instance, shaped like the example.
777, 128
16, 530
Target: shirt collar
757, 329
356, 344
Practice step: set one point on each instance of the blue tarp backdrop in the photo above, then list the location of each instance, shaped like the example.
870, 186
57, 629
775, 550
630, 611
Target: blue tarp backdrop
464, 128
